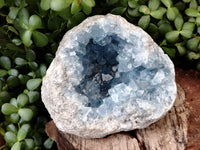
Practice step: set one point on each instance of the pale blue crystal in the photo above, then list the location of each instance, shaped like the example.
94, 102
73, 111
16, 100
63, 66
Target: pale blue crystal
108, 76
132, 73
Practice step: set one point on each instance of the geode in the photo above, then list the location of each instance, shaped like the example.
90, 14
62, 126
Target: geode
108, 76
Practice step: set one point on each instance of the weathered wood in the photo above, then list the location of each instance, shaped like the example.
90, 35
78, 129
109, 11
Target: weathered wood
119, 141
170, 133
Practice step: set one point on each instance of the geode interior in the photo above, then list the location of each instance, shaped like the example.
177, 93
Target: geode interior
109, 76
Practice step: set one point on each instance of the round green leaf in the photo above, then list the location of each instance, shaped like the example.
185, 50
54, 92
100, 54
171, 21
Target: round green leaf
37, 138
26, 127
3, 72
29, 144
26, 114
144, 9
33, 65
186, 34
45, 4
33, 84
198, 21
4, 96
1, 3
181, 49
12, 81
75, 19
33, 96
58, 5
172, 12
13, 47
118, 10
12, 29
170, 51
23, 18
172, 36
75, 7
193, 4
10, 137
30, 55
22, 100
26, 37
179, 22
123, 3
134, 12
144, 21
8, 109
17, 42
35, 22
192, 44
167, 3
153, 31
154, 4
5, 62
180, 5
65, 14
42, 70
20, 61
188, 26
23, 78
13, 12
132, 3
12, 128
49, 58
86, 9
40, 39
191, 12
32, 74
14, 118
48, 143
16, 146
13, 72
13, 101
192, 55
158, 14
21, 134
89, 3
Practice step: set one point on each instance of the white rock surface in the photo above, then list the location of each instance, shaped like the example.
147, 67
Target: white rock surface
137, 92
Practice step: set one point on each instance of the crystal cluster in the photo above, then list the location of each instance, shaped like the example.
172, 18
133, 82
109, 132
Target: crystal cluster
108, 76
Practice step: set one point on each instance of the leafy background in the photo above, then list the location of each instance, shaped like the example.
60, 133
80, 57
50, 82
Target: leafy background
30, 32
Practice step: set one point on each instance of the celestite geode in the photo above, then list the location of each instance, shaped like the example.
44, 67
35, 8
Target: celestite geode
108, 76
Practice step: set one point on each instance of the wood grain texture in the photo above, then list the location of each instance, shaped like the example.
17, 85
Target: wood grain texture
119, 141
169, 133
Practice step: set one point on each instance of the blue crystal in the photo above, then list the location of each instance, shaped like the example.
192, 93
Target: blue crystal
108, 76
114, 68
102, 54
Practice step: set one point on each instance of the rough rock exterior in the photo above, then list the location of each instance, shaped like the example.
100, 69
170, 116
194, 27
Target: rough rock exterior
108, 76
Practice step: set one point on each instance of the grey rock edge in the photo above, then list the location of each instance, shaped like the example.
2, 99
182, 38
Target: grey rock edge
67, 107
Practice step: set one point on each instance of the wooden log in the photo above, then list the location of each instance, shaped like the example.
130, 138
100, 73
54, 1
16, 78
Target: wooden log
169, 133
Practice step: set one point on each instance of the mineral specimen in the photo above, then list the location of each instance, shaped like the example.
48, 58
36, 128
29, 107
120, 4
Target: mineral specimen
108, 76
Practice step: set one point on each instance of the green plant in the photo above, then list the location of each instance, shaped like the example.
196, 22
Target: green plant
30, 31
